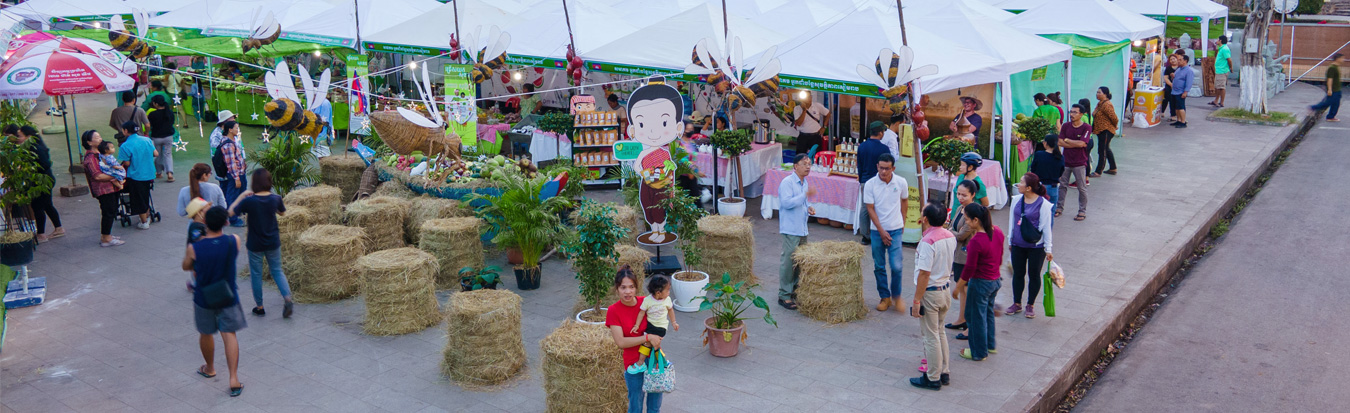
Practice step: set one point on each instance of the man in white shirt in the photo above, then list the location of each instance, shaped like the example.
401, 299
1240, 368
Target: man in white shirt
809, 118
886, 197
932, 273
891, 138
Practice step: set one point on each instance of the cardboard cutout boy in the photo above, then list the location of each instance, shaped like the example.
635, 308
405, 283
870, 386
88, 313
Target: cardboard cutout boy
655, 116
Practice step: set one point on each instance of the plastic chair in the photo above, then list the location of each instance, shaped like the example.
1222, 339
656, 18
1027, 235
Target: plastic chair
825, 158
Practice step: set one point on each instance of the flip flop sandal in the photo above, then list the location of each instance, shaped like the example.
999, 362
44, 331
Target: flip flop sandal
1059, 212
791, 305
202, 372
236, 391
1080, 217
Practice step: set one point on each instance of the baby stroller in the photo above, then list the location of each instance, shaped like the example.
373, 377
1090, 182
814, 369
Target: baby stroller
124, 206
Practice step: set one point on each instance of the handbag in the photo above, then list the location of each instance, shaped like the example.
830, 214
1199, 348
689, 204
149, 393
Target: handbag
1030, 233
218, 295
1048, 298
660, 375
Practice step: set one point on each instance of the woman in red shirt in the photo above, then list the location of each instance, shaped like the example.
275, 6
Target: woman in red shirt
620, 318
980, 280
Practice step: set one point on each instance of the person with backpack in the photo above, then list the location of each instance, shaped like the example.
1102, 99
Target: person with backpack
229, 165
216, 303
1029, 240
218, 134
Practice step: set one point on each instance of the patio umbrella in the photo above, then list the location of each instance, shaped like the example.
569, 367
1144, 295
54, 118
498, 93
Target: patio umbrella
43, 42
63, 70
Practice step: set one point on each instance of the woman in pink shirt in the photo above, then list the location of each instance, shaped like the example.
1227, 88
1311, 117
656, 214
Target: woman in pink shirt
980, 280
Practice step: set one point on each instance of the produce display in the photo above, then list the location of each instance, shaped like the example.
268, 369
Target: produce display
440, 169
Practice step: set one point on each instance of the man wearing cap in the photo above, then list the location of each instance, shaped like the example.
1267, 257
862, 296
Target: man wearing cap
869, 152
216, 134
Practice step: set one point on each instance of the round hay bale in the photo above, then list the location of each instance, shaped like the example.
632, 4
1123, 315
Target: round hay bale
328, 255
455, 242
483, 342
342, 171
831, 287
322, 200
728, 246
400, 291
581, 366
382, 217
289, 226
394, 189
426, 208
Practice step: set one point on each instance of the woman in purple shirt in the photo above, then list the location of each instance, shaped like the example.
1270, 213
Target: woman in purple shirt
1031, 215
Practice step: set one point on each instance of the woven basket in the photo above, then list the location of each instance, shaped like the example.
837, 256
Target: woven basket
404, 137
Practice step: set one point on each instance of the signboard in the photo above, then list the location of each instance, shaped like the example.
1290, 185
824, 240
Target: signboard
414, 50
459, 94
627, 150
358, 97
786, 81
1038, 74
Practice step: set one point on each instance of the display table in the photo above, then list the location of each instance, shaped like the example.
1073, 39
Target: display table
488, 141
837, 197
245, 104
547, 146
990, 172
760, 159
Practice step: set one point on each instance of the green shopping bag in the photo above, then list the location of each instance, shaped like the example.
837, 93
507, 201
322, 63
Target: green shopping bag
1048, 300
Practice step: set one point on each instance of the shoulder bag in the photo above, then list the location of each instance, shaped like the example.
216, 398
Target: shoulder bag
219, 294
1030, 233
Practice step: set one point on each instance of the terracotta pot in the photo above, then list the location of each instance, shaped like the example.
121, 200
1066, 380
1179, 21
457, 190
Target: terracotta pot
723, 343
514, 256
822, 221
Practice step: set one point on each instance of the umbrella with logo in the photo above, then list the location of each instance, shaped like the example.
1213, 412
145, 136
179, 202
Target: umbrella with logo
43, 42
63, 70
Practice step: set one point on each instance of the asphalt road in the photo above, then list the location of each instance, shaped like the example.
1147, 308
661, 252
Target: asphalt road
1258, 325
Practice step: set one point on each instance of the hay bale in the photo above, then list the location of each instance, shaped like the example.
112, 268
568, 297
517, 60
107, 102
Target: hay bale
426, 208
289, 226
394, 189
831, 287
624, 215
728, 246
382, 217
400, 291
342, 171
328, 255
455, 242
483, 342
322, 200
581, 366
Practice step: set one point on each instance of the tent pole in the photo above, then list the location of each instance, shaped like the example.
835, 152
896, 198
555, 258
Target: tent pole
1204, 38
356, 11
70, 156
1007, 127
1068, 83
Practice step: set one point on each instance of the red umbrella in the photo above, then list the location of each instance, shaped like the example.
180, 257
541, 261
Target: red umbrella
43, 42
62, 71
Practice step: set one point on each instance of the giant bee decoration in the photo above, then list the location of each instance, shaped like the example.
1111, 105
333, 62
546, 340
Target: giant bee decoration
123, 41
284, 111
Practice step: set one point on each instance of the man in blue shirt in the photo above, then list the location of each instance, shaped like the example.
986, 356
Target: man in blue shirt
137, 155
1181, 86
868, 153
793, 212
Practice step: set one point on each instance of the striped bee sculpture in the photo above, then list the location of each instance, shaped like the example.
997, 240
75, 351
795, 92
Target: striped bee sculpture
284, 111
487, 54
886, 73
723, 72
265, 32
123, 41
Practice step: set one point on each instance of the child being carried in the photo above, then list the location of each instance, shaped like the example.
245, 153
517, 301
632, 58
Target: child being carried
660, 313
108, 164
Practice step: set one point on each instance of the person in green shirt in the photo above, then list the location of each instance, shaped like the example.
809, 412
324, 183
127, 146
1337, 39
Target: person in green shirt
1045, 110
529, 105
1333, 100
970, 162
1221, 70
156, 89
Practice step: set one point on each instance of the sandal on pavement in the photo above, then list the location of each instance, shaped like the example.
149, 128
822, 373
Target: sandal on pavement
236, 391
1095, 175
1111, 172
58, 233
1059, 212
115, 242
966, 354
202, 371
1081, 216
788, 304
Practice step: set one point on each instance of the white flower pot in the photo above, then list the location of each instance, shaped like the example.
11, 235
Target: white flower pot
684, 293
731, 206
579, 320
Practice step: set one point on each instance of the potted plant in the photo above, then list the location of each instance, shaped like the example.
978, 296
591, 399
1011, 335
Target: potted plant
593, 256
732, 143
726, 328
946, 154
522, 219
682, 216
471, 278
291, 161
22, 181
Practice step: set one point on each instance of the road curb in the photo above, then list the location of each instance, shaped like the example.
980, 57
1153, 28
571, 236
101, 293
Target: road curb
1050, 398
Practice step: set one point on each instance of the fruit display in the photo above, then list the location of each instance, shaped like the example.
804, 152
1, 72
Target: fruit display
462, 171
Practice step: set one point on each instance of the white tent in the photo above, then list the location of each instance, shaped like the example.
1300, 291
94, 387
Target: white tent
1016, 5
1098, 19
45, 10
432, 29
543, 32
803, 15
236, 17
372, 16
669, 43
752, 8
641, 13
1204, 10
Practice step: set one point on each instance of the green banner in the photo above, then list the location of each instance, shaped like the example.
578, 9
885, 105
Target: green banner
642, 71
401, 49
830, 86
169, 41
358, 97
544, 62
459, 95
98, 18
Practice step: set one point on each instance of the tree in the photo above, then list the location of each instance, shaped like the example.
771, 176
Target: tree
1253, 72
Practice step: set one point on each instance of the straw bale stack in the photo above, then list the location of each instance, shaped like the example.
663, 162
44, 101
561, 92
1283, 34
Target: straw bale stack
424, 208
456, 244
343, 171
831, 284
399, 286
581, 368
327, 258
728, 246
382, 217
323, 200
484, 345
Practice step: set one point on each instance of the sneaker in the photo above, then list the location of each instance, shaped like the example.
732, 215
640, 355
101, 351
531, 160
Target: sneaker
1031, 311
288, 309
637, 368
866, 240
946, 379
143, 225
923, 382
259, 311
1180, 126
1013, 309
115, 242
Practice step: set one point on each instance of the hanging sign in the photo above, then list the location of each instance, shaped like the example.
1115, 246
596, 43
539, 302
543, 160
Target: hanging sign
459, 94
1038, 74
627, 150
358, 95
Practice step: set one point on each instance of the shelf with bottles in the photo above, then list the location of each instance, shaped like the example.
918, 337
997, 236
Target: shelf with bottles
596, 119
594, 138
845, 166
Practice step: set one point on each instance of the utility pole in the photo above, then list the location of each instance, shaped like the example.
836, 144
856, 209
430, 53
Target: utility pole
1253, 72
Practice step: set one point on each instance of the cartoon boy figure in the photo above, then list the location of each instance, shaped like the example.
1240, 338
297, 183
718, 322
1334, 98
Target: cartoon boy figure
655, 116
582, 104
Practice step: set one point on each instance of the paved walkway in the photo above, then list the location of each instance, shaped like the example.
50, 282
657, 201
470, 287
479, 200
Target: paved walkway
1253, 327
116, 333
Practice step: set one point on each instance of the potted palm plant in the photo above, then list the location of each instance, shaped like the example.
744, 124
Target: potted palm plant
726, 328
682, 216
732, 143
593, 256
21, 180
522, 219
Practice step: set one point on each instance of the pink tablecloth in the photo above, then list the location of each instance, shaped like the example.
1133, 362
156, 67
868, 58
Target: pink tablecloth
489, 132
840, 191
760, 158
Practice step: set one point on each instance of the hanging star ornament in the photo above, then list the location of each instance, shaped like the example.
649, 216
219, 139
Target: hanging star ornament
177, 100
255, 115
266, 137
305, 138
180, 146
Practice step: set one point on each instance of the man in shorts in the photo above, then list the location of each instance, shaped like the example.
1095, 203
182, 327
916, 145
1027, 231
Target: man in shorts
1221, 70
137, 155
212, 260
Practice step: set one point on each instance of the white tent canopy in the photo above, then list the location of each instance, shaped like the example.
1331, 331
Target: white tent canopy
236, 17
542, 33
1203, 9
44, 10
669, 43
1018, 5
1098, 19
433, 28
373, 16
802, 15
1019, 50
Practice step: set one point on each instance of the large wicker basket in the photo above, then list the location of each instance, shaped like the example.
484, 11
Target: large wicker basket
404, 137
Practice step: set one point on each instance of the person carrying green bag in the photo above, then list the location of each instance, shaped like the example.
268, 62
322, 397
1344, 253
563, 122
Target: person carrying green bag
1053, 277
1029, 241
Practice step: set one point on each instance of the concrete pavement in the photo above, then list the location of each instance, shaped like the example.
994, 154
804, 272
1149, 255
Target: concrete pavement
116, 333
1256, 325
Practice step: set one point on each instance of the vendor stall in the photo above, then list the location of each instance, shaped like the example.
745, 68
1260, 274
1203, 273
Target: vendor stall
837, 197
761, 159
248, 102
